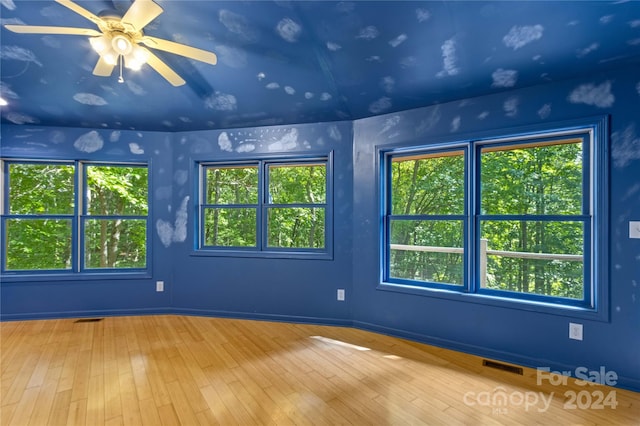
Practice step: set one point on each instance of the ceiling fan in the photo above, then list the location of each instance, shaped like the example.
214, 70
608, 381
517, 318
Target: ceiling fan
118, 41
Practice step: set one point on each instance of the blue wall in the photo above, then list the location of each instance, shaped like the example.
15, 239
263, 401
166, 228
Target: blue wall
305, 290
293, 289
57, 296
274, 288
524, 336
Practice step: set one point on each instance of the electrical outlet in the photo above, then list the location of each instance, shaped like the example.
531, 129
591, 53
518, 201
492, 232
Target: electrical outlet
634, 229
575, 331
159, 285
341, 294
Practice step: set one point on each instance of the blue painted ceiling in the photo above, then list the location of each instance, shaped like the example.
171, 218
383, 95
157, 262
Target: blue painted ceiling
288, 62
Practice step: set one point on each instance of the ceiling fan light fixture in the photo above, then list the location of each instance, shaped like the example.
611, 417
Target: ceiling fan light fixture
100, 44
141, 54
136, 58
121, 44
132, 63
110, 57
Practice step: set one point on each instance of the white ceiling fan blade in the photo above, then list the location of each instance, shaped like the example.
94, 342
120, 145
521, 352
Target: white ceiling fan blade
34, 29
140, 14
80, 11
181, 49
163, 69
103, 69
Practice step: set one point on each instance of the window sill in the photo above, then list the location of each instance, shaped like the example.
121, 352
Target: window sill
85, 276
264, 254
503, 302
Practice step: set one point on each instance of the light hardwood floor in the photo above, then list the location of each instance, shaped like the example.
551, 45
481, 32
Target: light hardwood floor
166, 370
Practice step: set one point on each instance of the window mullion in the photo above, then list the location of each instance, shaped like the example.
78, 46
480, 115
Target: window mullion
261, 208
472, 209
79, 213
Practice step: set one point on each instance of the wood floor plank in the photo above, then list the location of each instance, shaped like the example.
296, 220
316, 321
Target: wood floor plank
96, 400
129, 400
24, 407
181, 404
140, 374
190, 385
77, 412
112, 403
206, 418
149, 412
175, 370
69, 368
6, 413
46, 397
168, 415
115, 421
59, 412
80, 387
19, 384
216, 407
156, 380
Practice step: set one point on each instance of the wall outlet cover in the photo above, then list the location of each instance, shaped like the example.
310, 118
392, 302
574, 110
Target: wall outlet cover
575, 331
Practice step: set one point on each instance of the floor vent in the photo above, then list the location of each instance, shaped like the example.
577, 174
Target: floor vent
504, 367
89, 320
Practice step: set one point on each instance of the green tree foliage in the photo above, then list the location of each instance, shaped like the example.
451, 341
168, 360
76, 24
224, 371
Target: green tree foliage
294, 204
296, 227
234, 192
527, 180
38, 244
43, 239
117, 197
424, 187
41, 232
539, 180
299, 227
41, 188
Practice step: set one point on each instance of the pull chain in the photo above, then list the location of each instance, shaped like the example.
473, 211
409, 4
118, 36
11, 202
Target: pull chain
120, 60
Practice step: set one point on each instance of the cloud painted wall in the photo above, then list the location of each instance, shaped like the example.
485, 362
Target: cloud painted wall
65, 295
305, 290
255, 287
516, 335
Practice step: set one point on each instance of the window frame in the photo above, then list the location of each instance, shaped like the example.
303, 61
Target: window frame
262, 249
78, 218
389, 217
594, 304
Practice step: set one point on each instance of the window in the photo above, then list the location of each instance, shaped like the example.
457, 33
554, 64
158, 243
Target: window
534, 218
513, 218
265, 206
50, 224
115, 217
427, 220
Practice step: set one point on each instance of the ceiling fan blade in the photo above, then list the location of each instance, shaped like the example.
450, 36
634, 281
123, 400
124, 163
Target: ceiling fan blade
181, 49
103, 69
140, 14
163, 69
34, 29
80, 11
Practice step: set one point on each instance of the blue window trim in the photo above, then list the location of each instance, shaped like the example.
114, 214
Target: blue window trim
389, 216
262, 250
77, 271
595, 216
